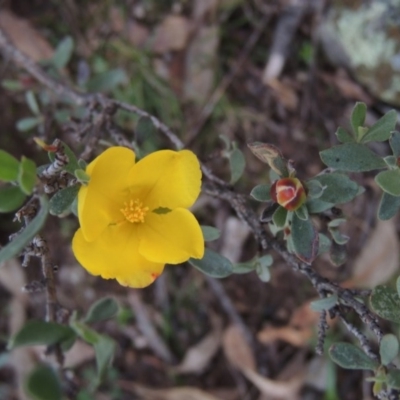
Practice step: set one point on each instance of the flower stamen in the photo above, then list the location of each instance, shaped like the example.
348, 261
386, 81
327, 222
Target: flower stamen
134, 211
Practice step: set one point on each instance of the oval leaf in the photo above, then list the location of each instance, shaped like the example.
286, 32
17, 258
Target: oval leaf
388, 348
27, 175
26, 124
337, 188
213, 264
63, 199
32, 103
237, 164
41, 333
210, 233
43, 384
63, 53
279, 217
73, 163
385, 301
389, 181
358, 116
9, 167
305, 239
324, 304
382, 129
13, 248
388, 206
263, 272
11, 198
107, 81
351, 357
261, 193
394, 142
103, 309
343, 136
393, 378
352, 157
316, 206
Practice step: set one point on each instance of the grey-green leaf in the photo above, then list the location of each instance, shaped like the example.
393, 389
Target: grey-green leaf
389, 181
351, 357
385, 301
343, 136
388, 348
104, 349
63, 53
103, 309
13, 248
43, 384
393, 378
27, 175
213, 264
237, 164
358, 116
261, 193
394, 142
316, 206
338, 188
324, 304
9, 167
210, 233
32, 103
26, 124
305, 239
41, 333
382, 129
388, 206
106, 81
279, 217
62, 200
352, 157
11, 198
263, 272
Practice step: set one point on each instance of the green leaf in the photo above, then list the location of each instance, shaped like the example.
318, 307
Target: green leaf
391, 161
213, 264
338, 237
338, 188
305, 239
26, 124
63, 53
107, 81
103, 309
32, 103
393, 378
302, 212
13, 248
388, 348
382, 129
358, 116
227, 142
398, 285
62, 200
338, 254
83, 331
394, 142
316, 206
43, 384
324, 244
261, 193
35, 333
268, 212
324, 304
351, 357
343, 136
12, 85
389, 181
279, 217
9, 167
11, 198
27, 175
237, 164
84, 178
314, 189
244, 268
352, 157
210, 233
388, 206
385, 301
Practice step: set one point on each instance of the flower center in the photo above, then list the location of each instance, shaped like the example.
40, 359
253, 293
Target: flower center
134, 211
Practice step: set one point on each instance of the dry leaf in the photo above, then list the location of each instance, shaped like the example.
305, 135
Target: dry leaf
237, 350
25, 37
379, 258
284, 93
198, 357
181, 393
172, 34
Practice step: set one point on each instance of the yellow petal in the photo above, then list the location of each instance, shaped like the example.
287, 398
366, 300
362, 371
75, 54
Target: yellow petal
114, 255
167, 178
171, 238
99, 202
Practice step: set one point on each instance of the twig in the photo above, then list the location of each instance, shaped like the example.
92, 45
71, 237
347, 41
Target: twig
322, 329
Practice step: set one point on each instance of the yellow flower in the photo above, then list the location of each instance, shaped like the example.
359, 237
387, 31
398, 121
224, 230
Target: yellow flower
134, 217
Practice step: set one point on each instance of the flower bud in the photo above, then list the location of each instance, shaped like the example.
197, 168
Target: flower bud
288, 193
